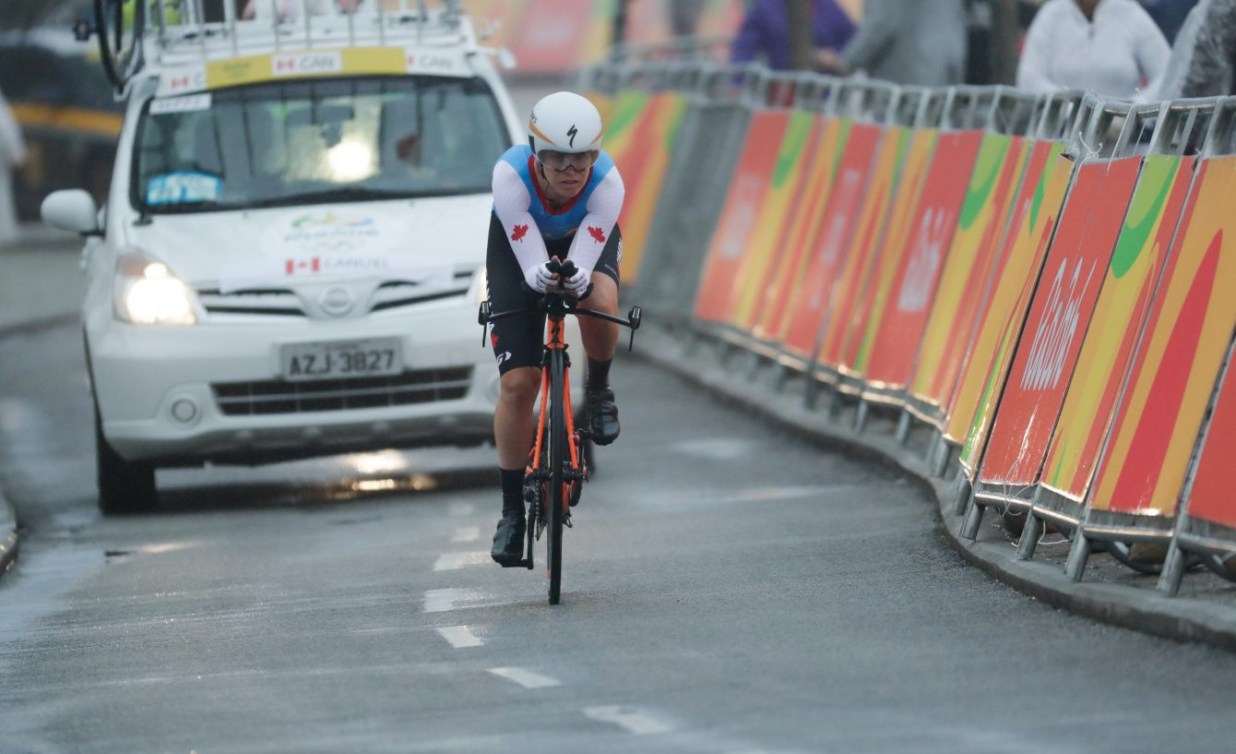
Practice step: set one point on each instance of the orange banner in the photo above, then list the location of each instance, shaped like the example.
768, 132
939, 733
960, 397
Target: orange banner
640, 136
887, 258
1083, 248
832, 241
1117, 321
829, 139
976, 254
1177, 362
856, 267
731, 237
783, 198
1006, 306
1210, 497
968, 170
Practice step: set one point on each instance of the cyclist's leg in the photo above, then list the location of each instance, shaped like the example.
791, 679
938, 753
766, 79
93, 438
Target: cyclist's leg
517, 345
600, 340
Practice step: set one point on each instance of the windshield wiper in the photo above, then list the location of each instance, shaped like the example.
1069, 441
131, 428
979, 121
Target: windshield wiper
340, 194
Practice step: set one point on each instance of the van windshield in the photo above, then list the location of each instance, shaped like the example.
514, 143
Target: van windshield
311, 142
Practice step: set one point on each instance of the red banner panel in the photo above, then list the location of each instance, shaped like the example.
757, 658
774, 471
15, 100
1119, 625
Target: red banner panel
887, 257
1178, 358
852, 279
731, 237
1059, 315
831, 245
1128, 289
1211, 497
958, 186
795, 240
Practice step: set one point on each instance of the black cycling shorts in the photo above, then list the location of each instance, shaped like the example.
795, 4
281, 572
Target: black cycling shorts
519, 341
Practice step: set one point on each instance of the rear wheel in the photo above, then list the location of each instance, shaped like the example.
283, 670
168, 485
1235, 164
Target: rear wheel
124, 486
556, 502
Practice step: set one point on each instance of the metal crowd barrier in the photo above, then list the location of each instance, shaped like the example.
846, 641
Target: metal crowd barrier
1036, 280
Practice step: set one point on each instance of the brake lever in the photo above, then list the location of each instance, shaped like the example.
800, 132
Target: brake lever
482, 318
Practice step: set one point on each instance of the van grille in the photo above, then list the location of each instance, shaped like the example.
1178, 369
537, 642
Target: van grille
280, 397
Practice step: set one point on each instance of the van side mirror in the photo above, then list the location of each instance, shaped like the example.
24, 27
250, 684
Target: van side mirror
73, 210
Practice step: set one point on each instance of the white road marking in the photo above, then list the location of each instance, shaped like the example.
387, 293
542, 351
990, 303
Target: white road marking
443, 600
460, 637
631, 719
467, 534
525, 678
454, 560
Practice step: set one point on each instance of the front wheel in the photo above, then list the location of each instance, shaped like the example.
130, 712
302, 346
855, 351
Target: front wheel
556, 501
125, 487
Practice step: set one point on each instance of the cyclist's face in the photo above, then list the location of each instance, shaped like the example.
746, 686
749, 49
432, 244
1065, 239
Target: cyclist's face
566, 173
567, 161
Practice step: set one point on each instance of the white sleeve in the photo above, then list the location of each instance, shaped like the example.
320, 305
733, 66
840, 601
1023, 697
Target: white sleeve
1032, 69
511, 203
604, 206
1150, 48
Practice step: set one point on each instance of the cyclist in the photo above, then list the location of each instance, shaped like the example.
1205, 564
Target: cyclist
556, 197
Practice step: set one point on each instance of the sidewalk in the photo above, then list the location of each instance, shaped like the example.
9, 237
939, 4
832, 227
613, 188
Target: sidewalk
1204, 611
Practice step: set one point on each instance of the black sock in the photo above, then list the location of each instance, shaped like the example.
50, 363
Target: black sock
598, 373
512, 490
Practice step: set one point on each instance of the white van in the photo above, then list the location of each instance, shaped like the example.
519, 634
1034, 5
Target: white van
292, 253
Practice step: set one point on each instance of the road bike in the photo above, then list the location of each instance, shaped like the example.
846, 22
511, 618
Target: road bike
557, 464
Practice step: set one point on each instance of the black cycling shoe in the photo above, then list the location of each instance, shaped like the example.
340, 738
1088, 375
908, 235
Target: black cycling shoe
602, 415
508, 549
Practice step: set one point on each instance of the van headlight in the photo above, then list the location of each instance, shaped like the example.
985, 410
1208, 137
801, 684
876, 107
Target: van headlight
147, 293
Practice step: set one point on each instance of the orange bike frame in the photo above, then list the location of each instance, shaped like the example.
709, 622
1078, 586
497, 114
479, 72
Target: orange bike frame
556, 341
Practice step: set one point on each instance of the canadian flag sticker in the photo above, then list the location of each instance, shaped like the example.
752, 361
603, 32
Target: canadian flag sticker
519, 232
597, 234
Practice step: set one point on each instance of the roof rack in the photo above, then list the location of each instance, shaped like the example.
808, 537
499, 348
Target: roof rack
162, 35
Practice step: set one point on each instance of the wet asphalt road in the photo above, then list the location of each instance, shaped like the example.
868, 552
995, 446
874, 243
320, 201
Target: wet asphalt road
728, 588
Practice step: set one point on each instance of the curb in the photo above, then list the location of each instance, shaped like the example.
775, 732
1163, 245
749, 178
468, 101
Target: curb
1180, 618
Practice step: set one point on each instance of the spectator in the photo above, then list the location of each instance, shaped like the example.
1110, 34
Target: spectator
765, 32
1209, 71
1111, 47
12, 155
921, 43
1169, 15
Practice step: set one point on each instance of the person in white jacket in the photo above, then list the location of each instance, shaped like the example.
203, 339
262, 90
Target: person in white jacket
12, 155
1110, 47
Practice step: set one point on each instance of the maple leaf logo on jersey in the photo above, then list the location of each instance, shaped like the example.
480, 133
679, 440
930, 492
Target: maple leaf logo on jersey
519, 232
597, 234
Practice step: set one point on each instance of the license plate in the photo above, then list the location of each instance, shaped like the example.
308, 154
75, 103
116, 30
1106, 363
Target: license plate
374, 357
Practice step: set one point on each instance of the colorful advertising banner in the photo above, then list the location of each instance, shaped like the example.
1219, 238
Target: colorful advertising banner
731, 237
891, 251
831, 244
783, 197
1211, 498
976, 255
856, 268
1117, 320
640, 136
829, 139
1059, 315
969, 172
1178, 358
1006, 305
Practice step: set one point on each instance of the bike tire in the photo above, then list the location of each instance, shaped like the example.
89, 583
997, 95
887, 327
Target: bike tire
556, 501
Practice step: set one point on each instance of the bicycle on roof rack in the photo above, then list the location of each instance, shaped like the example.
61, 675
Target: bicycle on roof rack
214, 29
557, 464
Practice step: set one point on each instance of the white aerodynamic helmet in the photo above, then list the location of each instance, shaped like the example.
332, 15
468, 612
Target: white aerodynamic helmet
564, 122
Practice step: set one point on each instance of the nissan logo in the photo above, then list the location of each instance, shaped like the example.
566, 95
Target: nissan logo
336, 300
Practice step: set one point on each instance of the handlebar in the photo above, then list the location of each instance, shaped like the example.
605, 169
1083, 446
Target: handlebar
558, 305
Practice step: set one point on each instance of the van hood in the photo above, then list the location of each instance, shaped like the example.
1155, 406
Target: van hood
375, 240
